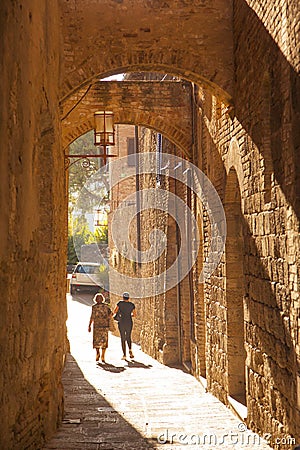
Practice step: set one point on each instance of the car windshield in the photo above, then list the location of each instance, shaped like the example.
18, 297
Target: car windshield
86, 268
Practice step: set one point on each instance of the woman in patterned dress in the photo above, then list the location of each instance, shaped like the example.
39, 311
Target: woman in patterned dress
100, 318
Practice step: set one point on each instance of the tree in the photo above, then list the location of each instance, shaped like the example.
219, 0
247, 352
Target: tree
78, 174
78, 234
101, 235
83, 197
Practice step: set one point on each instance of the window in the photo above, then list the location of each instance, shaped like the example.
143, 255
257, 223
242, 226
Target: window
90, 269
131, 150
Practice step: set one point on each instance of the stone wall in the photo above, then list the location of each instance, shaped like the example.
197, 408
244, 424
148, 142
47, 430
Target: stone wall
251, 154
159, 332
32, 224
156, 325
118, 199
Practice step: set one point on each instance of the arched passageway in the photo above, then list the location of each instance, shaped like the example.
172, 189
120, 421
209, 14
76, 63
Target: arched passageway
235, 289
49, 51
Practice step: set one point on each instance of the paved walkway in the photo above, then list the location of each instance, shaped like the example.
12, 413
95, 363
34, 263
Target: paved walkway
140, 404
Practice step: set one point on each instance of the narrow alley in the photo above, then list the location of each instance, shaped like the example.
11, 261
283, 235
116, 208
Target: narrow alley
139, 404
150, 148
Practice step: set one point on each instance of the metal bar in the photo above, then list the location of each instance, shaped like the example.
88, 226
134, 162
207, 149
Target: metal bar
68, 163
90, 156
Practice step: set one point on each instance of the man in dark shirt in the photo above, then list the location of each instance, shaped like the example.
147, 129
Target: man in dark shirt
126, 310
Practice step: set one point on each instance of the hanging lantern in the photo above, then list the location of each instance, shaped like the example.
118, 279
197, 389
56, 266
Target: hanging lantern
104, 133
100, 219
104, 138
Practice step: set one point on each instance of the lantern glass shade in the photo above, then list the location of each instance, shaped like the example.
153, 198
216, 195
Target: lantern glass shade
104, 133
108, 150
100, 219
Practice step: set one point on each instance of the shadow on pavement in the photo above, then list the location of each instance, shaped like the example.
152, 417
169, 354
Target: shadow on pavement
117, 369
138, 364
110, 367
90, 422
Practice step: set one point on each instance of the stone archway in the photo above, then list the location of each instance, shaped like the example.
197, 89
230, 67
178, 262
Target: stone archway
234, 251
192, 39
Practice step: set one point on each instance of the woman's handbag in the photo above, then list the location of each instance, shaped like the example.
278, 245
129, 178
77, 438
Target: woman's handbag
117, 317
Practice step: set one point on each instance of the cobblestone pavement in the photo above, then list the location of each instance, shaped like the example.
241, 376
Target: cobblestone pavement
138, 404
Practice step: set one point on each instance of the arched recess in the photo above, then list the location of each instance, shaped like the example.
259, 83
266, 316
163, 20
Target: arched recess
195, 41
200, 306
235, 287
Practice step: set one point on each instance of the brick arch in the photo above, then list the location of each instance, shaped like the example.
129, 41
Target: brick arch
173, 134
233, 160
191, 39
161, 106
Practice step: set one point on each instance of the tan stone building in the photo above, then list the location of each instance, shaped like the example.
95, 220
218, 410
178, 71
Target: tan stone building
235, 115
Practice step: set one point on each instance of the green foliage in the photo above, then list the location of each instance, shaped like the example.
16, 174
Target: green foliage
101, 235
81, 201
78, 235
78, 174
72, 256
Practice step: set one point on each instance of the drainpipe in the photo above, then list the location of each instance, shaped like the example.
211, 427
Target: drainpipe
189, 204
189, 235
178, 269
158, 159
137, 189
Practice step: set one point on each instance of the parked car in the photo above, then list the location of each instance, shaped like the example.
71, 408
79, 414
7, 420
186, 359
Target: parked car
88, 276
